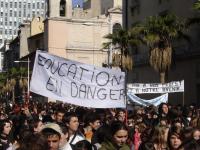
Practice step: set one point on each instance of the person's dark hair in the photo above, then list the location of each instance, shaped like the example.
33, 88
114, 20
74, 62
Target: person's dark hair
160, 111
116, 126
146, 146
187, 133
190, 145
91, 117
49, 132
102, 133
67, 117
3, 123
34, 142
33, 123
177, 131
82, 145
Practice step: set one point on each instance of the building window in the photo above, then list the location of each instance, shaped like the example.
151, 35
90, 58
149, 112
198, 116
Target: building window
1, 41
33, 5
20, 13
6, 14
62, 7
24, 4
20, 4
10, 4
15, 14
29, 5
10, 23
1, 4
24, 13
15, 4
15, 23
1, 14
5, 31
116, 27
33, 13
38, 5
10, 32
6, 5
1, 30
10, 12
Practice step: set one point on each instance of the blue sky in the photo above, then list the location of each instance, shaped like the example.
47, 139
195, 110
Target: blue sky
77, 2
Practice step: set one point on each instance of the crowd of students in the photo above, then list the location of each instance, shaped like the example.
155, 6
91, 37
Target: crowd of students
58, 126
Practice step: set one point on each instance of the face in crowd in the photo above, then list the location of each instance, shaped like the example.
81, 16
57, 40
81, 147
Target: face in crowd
120, 137
96, 124
39, 127
196, 134
73, 124
175, 141
53, 142
7, 128
59, 116
121, 116
165, 109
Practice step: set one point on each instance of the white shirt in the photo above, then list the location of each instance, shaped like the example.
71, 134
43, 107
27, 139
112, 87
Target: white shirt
76, 139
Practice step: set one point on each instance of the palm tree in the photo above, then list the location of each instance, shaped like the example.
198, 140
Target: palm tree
158, 33
194, 20
121, 40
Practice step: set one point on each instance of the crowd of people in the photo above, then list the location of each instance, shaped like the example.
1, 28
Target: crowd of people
59, 126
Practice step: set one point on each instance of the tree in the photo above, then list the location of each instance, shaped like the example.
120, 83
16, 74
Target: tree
158, 32
194, 20
121, 40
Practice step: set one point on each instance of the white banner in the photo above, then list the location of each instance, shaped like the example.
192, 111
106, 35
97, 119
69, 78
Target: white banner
77, 83
141, 88
156, 101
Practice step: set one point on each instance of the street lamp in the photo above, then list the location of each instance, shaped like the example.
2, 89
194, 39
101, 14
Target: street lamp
28, 62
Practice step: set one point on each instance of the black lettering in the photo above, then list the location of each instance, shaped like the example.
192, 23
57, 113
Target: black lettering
50, 85
72, 70
122, 95
59, 70
82, 70
82, 89
41, 60
92, 76
48, 61
113, 94
106, 78
115, 79
92, 93
73, 92
54, 68
99, 94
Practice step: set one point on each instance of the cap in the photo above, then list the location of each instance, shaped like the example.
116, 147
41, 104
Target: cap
53, 126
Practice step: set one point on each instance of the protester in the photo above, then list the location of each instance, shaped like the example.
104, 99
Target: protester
71, 121
117, 138
53, 133
105, 129
5, 128
175, 137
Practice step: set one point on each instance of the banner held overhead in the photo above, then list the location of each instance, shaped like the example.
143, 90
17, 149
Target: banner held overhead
142, 88
77, 83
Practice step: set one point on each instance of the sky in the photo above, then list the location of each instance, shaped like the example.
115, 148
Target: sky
77, 2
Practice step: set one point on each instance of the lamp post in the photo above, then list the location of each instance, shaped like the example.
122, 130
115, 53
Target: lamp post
28, 62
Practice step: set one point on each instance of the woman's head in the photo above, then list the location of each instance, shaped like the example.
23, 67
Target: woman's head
175, 137
5, 126
196, 134
159, 135
119, 133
